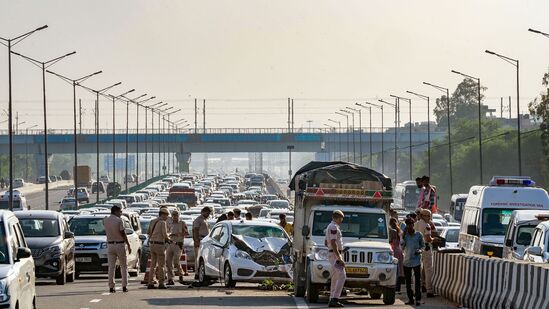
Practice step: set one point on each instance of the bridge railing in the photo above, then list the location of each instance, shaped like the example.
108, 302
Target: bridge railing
218, 131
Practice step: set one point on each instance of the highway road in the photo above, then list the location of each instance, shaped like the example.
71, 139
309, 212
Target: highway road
37, 200
92, 292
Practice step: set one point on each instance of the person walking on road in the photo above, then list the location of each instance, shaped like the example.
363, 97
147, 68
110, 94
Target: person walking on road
394, 240
200, 230
116, 247
158, 235
430, 195
412, 244
177, 231
421, 195
426, 228
334, 243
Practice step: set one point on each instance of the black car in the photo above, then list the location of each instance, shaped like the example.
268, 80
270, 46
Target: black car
51, 243
113, 189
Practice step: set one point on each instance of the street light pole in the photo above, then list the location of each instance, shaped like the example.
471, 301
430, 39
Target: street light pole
409, 130
479, 120
74, 82
380, 106
428, 129
515, 63
114, 98
347, 138
9, 43
338, 134
360, 130
353, 132
157, 109
439, 88
43, 65
396, 133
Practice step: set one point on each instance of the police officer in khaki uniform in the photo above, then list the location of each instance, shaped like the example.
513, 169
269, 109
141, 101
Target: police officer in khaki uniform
200, 230
158, 236
334, 243
116, 247
424, 226
177, 230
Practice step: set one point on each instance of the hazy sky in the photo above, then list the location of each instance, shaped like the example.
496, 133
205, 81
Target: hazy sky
246, 57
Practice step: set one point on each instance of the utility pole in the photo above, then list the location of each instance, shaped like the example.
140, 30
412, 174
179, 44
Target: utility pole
204, 114
293, 122
195, 111
80, 115
289, 113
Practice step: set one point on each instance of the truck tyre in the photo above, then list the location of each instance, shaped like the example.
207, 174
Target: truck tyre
389, 296
299, 286
312, 290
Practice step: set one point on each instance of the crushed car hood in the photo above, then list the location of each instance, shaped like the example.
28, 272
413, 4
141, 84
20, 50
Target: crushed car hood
265, 251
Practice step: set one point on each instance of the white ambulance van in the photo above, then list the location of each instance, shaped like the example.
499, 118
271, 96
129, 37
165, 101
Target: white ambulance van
488, 210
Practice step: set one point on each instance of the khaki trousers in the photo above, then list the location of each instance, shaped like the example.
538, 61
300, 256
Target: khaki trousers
338, 277
427, 262
173, 254
117, 251
158, 262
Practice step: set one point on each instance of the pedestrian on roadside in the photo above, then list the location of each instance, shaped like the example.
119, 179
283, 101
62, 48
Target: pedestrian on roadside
394, 239
237, 212
248, 216
116, 247
334, 242
412, 245
177, 231
425, 227
158, 236
223, 217
288, 227
230, 215
200, 230
421, 192
430, 195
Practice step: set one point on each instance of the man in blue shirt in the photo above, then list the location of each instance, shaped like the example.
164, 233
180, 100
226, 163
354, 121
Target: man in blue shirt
412, 245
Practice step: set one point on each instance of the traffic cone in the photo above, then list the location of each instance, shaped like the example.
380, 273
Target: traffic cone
183, 262
147, 271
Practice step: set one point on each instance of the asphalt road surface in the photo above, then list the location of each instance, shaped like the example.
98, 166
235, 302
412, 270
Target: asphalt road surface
37, 200
92, 292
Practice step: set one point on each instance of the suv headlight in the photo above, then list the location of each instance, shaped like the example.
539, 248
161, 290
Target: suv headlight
103, 245
383, 257
54, 250
321, 254
242, 255
4, 294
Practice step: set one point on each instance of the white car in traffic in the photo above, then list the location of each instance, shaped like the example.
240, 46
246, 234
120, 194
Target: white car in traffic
245, 251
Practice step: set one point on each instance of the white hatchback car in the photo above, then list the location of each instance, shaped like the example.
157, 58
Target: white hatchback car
17, 278
245, 251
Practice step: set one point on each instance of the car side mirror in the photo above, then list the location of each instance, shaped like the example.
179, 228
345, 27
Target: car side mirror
23, 253
534, 250
305, 230
68, 234
142, 237
472, 230
128, 231
508, 242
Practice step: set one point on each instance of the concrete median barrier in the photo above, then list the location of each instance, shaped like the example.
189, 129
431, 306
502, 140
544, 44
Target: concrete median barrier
476, 281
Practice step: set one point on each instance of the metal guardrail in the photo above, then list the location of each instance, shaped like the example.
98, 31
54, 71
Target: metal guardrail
218, 131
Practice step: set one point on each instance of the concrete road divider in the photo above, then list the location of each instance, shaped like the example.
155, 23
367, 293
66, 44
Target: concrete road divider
476, 281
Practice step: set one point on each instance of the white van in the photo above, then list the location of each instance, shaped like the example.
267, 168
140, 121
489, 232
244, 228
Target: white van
520, 230
405, 195
19, 200
488, 211
538, 251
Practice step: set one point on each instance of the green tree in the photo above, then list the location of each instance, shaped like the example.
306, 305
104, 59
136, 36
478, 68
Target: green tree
540, 109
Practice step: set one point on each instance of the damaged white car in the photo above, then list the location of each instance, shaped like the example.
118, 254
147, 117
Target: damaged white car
244, 251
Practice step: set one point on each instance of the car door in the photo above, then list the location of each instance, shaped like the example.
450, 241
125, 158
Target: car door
131, 239
25, 267
68, 245
208, 251
218, 246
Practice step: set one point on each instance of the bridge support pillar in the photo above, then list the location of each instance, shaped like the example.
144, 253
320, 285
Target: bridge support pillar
40, 168
183, 161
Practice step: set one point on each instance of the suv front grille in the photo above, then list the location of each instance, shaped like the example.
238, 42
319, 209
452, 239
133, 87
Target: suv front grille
86, 246
357, 256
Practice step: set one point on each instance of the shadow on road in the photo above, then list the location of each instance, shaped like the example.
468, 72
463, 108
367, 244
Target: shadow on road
224, 301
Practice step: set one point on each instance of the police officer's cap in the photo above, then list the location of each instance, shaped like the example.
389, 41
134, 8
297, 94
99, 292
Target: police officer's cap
338, 213
175, 212
164, 211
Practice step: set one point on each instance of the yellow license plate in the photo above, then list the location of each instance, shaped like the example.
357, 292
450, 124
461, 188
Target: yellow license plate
356, 270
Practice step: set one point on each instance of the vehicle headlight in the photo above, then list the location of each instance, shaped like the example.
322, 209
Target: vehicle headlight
103, 245
242, 255
321, 254
4, 294
383, 257
54, 250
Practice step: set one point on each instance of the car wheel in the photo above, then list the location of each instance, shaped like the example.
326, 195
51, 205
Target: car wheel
202, 278
228, 277
62, 278
312, 290
389, 296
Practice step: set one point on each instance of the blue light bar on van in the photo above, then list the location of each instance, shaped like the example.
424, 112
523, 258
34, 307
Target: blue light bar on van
512, 181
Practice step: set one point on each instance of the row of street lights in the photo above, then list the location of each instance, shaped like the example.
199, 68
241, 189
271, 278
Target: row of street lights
158, 108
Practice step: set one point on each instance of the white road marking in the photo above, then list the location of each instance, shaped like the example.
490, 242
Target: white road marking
95, 300
106, 293
300, 303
